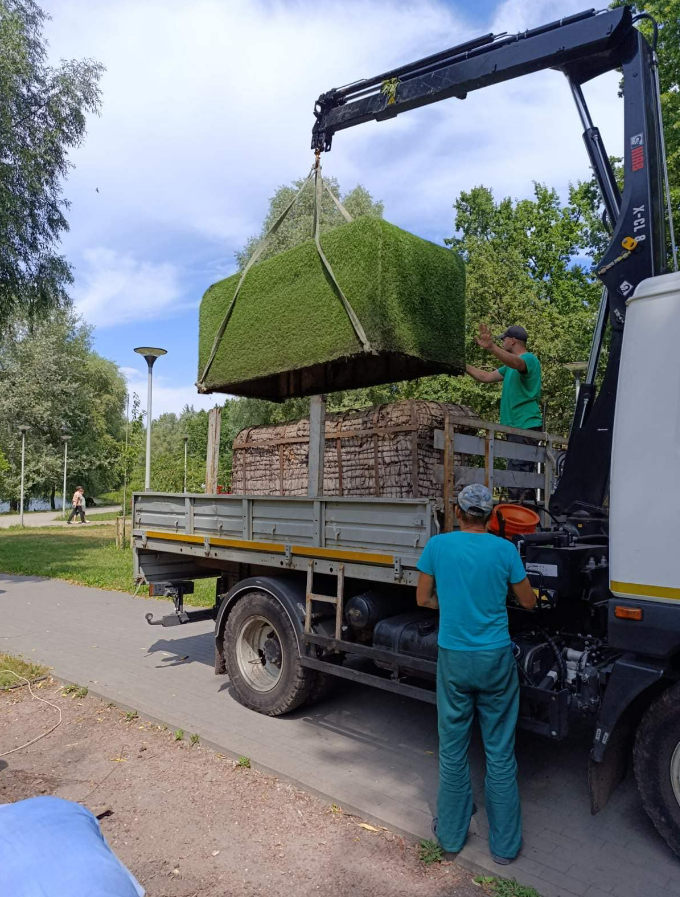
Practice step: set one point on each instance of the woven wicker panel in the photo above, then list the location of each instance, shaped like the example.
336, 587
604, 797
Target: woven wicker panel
390, 453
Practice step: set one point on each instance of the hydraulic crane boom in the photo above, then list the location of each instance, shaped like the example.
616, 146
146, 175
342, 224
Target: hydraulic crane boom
581, 46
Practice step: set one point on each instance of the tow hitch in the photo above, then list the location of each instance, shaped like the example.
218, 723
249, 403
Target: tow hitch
177, 591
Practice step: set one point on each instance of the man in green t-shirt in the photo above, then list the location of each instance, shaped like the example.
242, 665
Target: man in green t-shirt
520, 373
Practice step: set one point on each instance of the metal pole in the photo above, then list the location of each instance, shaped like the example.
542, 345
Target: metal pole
125, 460
186, 441
147, 476
577, 378
63, 494
23, 458
150, 355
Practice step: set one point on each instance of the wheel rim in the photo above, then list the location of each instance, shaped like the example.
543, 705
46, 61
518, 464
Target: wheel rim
259, 655
675, 772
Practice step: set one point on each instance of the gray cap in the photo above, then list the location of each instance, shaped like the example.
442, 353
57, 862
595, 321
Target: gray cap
476, 500
515, 332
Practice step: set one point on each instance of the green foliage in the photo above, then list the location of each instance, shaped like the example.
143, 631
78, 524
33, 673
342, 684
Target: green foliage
179, 734
521, 270
503, 887
243, 763
430, 852
194, 739
12, 668
86, 556
55, 384
408, 294
131, 715
42, 116
298, 226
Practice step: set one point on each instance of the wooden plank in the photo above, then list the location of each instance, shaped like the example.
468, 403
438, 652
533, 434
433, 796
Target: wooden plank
489, 455
449, 475
414, 451
317, 440
282, 490
338, 449
212, 461
511, 478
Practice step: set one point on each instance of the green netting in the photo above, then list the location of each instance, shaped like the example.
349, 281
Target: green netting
290, 335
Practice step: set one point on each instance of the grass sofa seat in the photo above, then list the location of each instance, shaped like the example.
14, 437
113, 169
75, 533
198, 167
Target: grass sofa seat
289, 334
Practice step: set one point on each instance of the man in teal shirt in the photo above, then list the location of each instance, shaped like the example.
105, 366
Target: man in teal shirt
472, 571
520, 374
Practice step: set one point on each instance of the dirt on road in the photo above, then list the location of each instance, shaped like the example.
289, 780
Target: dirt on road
189, 822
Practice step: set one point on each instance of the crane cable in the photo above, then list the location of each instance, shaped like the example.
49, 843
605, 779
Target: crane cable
319, 186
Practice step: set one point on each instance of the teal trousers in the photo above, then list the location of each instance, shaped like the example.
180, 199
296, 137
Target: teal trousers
486, 681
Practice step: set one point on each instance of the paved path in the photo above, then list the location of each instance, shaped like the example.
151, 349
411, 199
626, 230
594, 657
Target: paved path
50, 518
363, 749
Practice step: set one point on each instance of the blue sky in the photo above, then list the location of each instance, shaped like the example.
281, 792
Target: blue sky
207, 109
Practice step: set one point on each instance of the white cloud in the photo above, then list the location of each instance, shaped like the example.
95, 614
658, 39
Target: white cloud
208, 108
115, 288
167, 396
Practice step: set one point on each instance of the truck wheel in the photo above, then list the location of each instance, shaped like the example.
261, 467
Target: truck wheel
262, 657
656, 758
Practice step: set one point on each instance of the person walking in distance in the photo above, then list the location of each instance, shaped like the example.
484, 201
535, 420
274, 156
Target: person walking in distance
472, 571
520, 373
78, 505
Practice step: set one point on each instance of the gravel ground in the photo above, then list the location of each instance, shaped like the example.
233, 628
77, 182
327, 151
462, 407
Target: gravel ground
190, 822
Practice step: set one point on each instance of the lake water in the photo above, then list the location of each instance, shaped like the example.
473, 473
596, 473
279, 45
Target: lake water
34, 504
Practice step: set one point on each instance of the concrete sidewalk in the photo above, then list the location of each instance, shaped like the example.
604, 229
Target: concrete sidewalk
35, 519
367, 751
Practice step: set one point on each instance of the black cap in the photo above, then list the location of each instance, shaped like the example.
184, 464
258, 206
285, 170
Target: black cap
515, 332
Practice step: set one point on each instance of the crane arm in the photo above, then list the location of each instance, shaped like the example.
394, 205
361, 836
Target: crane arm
582, 47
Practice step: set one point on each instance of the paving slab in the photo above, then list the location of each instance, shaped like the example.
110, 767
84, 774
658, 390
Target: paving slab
368, 751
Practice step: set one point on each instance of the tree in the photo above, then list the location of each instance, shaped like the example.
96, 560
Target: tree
42, 116
54, 383
298, 226
520, 270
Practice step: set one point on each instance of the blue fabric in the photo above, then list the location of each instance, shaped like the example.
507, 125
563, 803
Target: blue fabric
472, 572
486, 681
51, 847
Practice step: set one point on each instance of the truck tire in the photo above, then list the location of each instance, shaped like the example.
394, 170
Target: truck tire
262, 656
656, 758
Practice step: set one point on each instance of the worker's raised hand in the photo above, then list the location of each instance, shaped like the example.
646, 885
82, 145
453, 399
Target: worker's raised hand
485, 340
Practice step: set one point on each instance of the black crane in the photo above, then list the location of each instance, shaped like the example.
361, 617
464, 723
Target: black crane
581, 46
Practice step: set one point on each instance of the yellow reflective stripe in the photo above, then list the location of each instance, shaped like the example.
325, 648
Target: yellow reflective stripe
249, 544
173, 537
642, 591
365, 557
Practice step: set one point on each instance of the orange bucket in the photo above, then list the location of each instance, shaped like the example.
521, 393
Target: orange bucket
518, 520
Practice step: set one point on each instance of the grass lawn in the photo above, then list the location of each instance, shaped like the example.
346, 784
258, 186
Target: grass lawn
84, 556
103, 515
29, 671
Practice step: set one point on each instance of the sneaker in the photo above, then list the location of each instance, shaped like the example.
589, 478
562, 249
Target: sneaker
502, 861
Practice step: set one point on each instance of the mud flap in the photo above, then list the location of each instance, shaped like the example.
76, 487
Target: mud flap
625, 698
605, 776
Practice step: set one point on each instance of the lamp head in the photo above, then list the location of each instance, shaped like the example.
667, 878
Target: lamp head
24, 428
150, 354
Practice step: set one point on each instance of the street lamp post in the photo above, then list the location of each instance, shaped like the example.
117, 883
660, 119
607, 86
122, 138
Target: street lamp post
23, 429
150, 355
63, 494
577, 368
186, 442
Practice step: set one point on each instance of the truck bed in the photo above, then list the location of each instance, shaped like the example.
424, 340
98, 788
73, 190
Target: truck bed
184, 536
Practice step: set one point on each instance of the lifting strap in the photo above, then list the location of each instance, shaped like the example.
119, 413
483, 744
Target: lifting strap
319, 185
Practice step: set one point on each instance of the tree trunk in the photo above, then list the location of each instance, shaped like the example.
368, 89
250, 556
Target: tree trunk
52, 492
